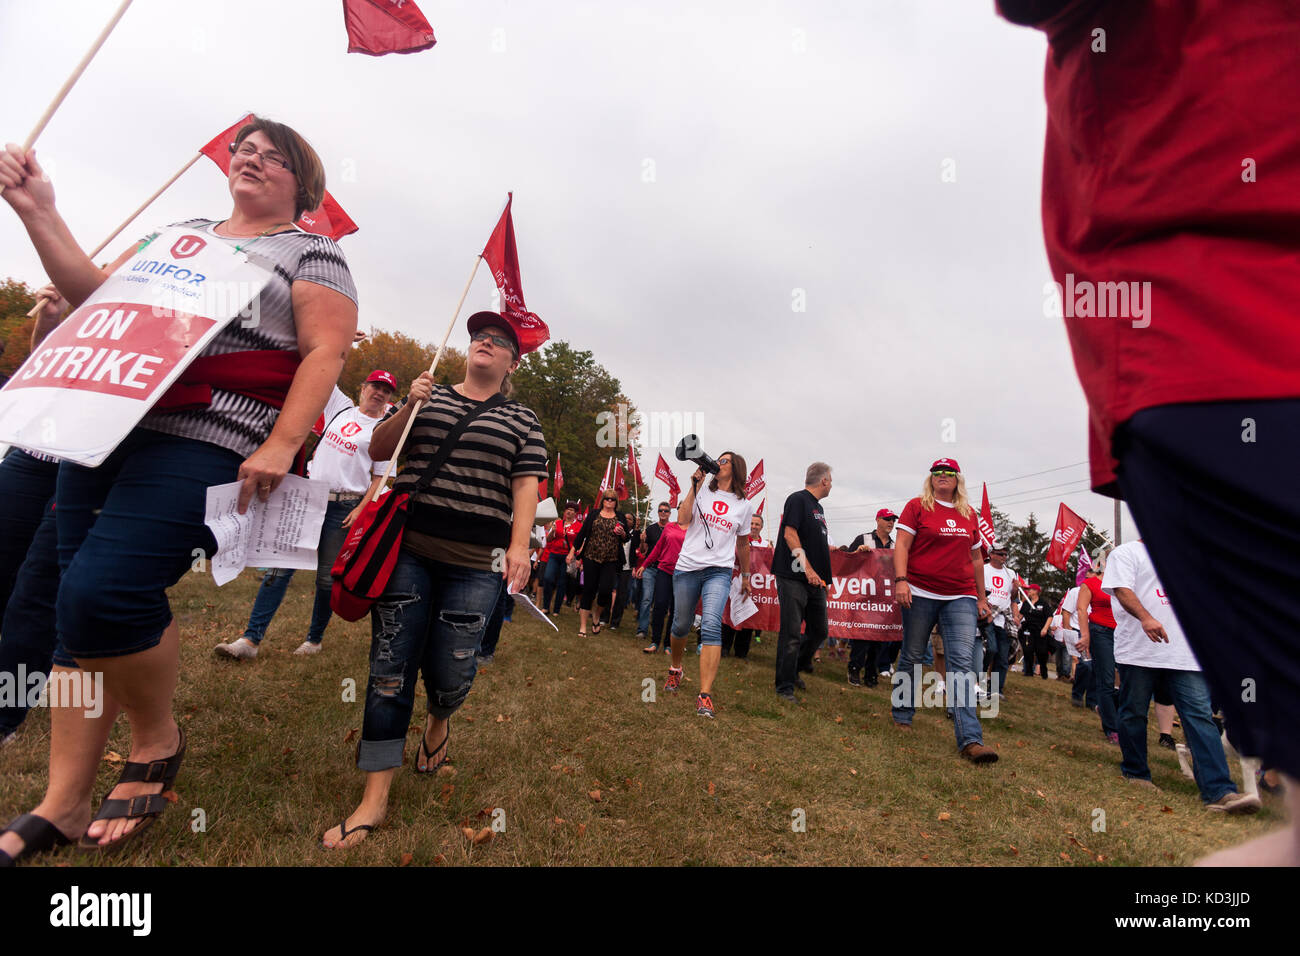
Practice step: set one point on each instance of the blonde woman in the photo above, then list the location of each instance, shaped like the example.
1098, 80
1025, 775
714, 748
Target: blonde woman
939, 578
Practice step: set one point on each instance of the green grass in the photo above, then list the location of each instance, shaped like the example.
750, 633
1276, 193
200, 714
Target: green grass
557, 717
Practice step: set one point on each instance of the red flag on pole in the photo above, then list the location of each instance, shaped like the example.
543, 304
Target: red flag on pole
541, 489
328, 220
1069, 529
755, 483
760, 506
503, 259
607, 477
988, 536
1085, 565
559, 476
633, 469
620, 486
665, 474
377, 27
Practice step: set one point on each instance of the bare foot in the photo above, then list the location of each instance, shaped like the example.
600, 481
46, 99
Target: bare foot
358, 827
436, 734
111, 830
1281, 848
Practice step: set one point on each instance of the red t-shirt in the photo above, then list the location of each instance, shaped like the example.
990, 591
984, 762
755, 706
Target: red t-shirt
561, 536
939, 561
1173, 158
1099, 609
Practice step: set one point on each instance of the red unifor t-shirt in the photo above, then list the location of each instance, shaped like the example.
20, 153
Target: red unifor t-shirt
1099, 609
939, 561
1173, 158
562, 536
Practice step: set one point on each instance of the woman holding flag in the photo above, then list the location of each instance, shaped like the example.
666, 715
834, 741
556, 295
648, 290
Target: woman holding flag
130, 528
467, 536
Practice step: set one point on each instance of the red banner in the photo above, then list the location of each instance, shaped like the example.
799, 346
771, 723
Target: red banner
988, 536
377, 27
503, 259
1069, 529
755, 483
633, 469
665, 474
859, 602
329, 220
620, 486
559, 477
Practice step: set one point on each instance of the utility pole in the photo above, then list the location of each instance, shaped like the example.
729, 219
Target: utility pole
1117, 529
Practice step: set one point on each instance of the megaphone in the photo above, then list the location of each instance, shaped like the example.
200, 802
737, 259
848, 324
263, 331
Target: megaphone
688, 449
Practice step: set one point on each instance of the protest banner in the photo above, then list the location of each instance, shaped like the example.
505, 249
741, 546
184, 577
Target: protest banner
94, 377
859, 602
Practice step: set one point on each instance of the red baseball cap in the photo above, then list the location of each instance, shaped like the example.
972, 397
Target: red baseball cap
885, 513
379, 375
948, 463
479, 319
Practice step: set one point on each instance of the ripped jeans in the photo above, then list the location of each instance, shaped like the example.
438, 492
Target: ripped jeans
428, 621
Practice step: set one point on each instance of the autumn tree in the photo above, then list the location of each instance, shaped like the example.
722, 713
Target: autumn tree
402, 355
577, 401
16, 300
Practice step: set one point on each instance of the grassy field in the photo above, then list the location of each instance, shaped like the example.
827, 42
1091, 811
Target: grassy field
556, 735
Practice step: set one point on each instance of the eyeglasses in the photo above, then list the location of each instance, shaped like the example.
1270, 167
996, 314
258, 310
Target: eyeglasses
943, 473
500, 341
724, 461
664, 511
247, 150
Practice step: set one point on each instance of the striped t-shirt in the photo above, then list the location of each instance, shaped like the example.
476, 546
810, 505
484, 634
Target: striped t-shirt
235, 421
470, 500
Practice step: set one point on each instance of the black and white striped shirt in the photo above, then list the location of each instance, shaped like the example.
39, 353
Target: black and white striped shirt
471, 499
236, 421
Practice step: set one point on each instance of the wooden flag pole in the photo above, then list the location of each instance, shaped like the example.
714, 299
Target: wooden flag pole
41, 300
442, 346
71, 80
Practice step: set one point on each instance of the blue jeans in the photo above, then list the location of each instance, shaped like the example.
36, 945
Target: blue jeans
709, 586
647, 600
664, 608
127, 532
1084, 688
957, 620
1192, 699
26, 487
1101, 648
429, 621
29, 628
997, 655
500, 614
554, 578
276, 580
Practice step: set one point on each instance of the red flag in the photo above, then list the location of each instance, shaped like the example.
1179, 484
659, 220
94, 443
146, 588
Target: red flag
665, 474
386, 26
1069, 529
607, 477
760, 506
559, 475
541, 490
1085, 565
620, 486
503, 259
755, 483
988, 536
633, 469
328, 220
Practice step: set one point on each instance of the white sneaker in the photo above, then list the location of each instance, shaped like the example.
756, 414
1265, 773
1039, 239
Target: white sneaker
240, 649
1236, 803
307, 647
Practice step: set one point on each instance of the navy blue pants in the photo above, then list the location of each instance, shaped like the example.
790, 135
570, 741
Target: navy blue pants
1213, 488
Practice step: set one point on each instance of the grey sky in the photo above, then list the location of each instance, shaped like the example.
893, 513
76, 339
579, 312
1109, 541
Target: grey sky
678, 175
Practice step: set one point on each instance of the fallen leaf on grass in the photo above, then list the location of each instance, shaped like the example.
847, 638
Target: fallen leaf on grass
351, 735
853, 772
1065, 857
471, 719
1020, 743
594, 794
439, 859
447, 790
486, 812
171, 796
1041, 794
112, 757
582, 828
559, 821
286, 751
502, 718
839, 720
945, 816
467, 833
1166, 809
1101, 858
712, 789
446, 770
1014, 851
406, 859
975, 796
483, 836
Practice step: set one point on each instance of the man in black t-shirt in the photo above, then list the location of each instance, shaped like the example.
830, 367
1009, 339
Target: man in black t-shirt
802, 566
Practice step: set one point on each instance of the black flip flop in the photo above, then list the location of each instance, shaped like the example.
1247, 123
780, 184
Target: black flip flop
38, 835
427, 754
344, 833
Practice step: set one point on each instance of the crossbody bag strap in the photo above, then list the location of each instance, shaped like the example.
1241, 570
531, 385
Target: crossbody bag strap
448, 444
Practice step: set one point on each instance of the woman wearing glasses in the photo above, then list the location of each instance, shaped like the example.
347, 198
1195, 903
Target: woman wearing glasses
716, 517
474, 511
600, 545
939, 578
130, 528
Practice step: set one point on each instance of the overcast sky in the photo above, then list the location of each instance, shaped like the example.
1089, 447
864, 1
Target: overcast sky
684, 181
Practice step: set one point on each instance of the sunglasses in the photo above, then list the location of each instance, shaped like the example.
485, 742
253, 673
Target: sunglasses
943, 473
663, 511
500, 341
889, 519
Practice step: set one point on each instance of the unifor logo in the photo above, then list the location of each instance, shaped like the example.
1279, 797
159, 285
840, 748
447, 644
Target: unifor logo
952, 522
720, 507
1062, 536
187, 246
997, 581
350, 429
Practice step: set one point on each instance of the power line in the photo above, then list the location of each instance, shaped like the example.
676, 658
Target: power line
1028, 491
1001, 481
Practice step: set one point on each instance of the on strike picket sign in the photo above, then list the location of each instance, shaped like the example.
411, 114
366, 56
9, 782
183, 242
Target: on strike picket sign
94, 377
859, 602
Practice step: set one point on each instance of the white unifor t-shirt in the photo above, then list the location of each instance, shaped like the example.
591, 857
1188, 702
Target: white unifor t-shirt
1129, 566
999, 582
719, 517
342, 457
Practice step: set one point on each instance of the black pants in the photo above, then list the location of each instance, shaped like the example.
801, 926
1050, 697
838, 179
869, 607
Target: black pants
737, 640
1187, 473
865, 656
801, 605
622, 582
598, 580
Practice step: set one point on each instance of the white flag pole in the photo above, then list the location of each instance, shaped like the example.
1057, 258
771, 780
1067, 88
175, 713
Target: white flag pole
71, 80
